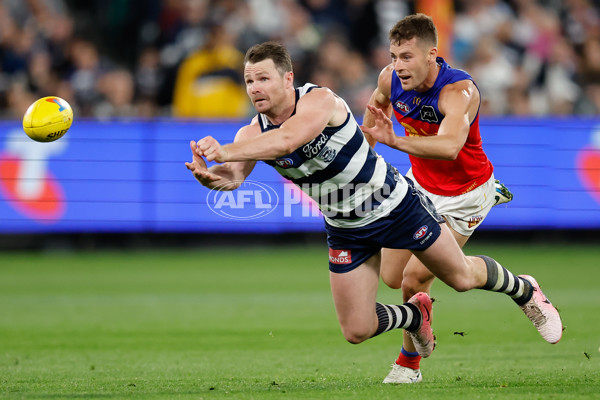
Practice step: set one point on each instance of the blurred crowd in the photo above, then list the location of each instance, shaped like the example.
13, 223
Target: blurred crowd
183, 58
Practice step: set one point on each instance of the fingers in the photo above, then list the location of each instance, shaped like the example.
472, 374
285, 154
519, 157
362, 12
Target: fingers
207, 144
202, 175
209, 148
378, 113
205, 177
192, 167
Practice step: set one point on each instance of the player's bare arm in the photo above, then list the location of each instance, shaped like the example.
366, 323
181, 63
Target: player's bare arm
458, 102
380, 99
227, 176
315, 111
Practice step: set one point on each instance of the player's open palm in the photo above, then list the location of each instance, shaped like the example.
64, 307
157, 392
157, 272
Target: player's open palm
383, 131
199, 168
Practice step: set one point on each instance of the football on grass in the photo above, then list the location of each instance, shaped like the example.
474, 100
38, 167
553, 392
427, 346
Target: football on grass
48, 119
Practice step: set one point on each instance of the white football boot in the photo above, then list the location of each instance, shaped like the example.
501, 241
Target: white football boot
400, 374
503, 195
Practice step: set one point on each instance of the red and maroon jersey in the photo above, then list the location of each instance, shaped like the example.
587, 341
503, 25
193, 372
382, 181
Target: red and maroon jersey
419, 114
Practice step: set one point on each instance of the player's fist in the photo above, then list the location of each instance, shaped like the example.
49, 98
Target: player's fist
211, 149
199, 168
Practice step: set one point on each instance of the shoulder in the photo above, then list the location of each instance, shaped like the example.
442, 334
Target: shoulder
322, 104
461, 96
317, 94
465, 89
249, 131
384, 81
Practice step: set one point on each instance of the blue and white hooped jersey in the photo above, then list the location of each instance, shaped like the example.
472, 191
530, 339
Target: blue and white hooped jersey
352, 184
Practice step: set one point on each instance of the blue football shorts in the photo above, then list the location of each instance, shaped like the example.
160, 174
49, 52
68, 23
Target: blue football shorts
413, 225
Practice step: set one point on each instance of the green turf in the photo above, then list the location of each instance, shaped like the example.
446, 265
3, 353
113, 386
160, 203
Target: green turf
260, 324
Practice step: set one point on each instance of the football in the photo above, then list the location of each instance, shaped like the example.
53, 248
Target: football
48, 119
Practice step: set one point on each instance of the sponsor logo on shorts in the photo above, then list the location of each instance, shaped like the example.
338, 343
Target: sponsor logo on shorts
429, 235
420, 232
340, 256
475, 220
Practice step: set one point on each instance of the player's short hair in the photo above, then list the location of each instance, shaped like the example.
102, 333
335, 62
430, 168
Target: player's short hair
418, 25
273, 50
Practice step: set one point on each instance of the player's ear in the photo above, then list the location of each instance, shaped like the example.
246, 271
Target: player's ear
432, 55
288, 77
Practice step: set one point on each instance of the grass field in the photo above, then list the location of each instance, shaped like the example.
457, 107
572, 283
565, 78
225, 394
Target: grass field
260, 324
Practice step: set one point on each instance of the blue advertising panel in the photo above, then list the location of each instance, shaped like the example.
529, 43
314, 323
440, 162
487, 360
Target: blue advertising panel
129, 176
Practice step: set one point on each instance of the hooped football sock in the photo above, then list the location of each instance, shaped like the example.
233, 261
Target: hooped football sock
409, 359
405, 316
499, 279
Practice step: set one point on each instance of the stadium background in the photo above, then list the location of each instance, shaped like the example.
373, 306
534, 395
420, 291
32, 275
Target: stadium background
145, 77
118, 279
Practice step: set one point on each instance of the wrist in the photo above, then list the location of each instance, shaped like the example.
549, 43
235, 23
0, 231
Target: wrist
225, 155
397, 142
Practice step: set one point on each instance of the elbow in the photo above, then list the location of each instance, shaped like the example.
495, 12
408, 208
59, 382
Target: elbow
450, 154
290, 148
286, 147
279, 152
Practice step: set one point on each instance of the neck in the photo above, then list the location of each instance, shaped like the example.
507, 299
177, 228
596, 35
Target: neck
431, 78
279, 115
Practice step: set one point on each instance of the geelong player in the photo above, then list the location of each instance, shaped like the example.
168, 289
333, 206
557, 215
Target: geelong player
310, 137
438, 106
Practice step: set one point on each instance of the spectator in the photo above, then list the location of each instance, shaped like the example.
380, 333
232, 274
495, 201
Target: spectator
150, 82
534, 57
493, 73
208, 82
117, 90
87, 70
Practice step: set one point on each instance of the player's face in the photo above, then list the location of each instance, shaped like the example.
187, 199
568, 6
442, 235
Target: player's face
265, 86
412, 62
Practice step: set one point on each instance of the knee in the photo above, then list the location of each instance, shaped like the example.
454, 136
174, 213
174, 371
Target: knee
356, 336
410, 287
414, 283
460, 285
393, 280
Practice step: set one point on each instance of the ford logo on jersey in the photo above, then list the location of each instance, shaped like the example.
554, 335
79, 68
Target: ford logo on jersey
420, 232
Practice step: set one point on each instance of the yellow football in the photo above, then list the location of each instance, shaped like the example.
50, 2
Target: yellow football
48, 119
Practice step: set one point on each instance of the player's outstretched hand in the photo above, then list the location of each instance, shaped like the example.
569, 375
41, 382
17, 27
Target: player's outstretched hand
211, 149
199, 168
383, 131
